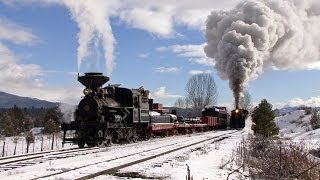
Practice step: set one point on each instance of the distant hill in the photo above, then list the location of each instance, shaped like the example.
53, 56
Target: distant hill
9, 100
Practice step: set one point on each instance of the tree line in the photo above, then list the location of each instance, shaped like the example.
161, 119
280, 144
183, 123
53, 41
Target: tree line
19, 121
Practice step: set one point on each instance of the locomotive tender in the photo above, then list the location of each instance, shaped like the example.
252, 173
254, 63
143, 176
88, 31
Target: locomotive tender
218, 112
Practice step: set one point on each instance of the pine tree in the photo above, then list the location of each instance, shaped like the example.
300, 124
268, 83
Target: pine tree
315, 120
7, 125
15, 121
263, 119
52, 121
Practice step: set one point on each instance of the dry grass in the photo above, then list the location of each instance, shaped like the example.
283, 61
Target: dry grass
276, 159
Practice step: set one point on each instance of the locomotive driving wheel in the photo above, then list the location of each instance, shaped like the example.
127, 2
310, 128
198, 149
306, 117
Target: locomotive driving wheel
134, 137
108, 137
81, 144
100, 142
80, 135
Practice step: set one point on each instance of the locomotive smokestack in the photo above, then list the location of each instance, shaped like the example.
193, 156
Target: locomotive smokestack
93, 80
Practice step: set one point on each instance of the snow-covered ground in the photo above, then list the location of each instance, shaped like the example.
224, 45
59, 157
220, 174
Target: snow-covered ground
220, 150
40, 141
295, 125
202, 161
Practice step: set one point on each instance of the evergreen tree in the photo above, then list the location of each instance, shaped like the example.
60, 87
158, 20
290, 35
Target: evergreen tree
7, 125
52, 121
263, 119
315, 120
15, 121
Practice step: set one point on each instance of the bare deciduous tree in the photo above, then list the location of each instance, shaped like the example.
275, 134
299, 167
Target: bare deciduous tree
246, 101
201, 90
180, 103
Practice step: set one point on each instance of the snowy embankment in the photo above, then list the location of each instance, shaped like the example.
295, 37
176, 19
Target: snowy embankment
295, 125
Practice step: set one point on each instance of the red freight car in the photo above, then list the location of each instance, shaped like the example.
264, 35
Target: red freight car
212, 122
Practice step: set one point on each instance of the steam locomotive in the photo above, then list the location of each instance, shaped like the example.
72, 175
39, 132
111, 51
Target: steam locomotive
108, 114
237, 118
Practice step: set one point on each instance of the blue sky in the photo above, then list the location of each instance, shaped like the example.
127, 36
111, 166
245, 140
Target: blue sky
156, 46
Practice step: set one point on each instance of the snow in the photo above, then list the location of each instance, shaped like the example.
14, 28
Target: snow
21, 146
294, 122
59, 165
205, 160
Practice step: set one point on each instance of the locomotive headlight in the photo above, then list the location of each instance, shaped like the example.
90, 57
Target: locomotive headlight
87, 91
237, 110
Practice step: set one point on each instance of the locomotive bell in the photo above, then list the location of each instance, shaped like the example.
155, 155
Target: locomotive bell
93, 80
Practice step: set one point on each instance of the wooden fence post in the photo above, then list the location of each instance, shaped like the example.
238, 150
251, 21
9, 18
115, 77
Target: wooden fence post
15, 148
52, 143
41, 143
4, 144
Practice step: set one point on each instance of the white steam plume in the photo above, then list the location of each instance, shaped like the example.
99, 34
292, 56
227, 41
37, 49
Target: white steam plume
94, 23
67, 112
283, 34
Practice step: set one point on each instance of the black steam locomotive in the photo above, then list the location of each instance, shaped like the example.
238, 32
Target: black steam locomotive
108, 114
237, 118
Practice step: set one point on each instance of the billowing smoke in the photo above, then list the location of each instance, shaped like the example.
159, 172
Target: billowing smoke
283, 34
95, 29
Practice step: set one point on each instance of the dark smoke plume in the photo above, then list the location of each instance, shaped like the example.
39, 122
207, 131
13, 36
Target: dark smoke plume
282, 34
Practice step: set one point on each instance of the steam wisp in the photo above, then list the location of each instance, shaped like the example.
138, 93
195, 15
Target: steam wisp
283, 34
95, 29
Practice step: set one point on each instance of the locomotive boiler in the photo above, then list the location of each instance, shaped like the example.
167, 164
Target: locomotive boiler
109, 114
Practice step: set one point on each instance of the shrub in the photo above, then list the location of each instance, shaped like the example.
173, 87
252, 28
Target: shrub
270, 158
315, 120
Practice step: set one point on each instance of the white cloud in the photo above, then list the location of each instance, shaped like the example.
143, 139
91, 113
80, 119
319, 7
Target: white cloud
312, 101
194, 53
12, 32
161, 93
167, 69
295, 102
143, 55
153, 21
162, 49
194, 72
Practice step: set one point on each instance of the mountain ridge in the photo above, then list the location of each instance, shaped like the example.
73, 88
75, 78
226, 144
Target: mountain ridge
8, 100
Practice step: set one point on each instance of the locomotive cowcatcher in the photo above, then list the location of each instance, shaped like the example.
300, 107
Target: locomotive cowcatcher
109, 114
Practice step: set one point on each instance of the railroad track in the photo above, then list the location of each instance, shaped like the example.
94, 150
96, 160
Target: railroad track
18, 161
13, 162
112, 165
